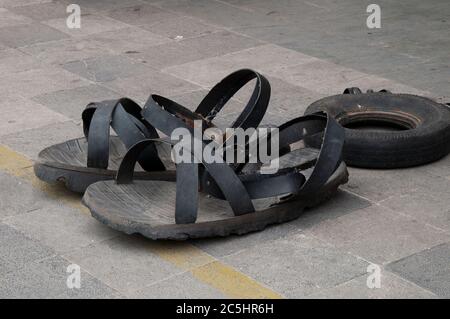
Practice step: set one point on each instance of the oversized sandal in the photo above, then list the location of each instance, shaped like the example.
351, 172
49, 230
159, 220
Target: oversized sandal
95, 157
229, 203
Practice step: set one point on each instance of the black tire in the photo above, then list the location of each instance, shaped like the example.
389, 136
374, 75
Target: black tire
422, 126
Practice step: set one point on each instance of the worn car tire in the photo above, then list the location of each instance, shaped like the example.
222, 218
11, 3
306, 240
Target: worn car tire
421, 135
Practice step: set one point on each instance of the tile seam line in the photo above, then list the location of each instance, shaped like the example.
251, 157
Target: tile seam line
382, 265
224, 28
248, 9
53, 255
93, 276
236, 31
409, 281
331, 245
230, 54
200, 251
133, 291
412, 218
243, 8
123, 293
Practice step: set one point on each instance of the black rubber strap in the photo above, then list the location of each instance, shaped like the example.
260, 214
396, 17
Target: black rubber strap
287, 181
330, 156
223, 91
228, 182
167, 115
186, 204
330, 152
218, 178
352, 90
124, 117
328, 160
211, 105
98, 136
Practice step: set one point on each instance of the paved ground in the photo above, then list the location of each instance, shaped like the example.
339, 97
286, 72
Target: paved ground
398, 220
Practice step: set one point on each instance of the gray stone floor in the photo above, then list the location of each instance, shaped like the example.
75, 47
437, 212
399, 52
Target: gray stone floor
397, 219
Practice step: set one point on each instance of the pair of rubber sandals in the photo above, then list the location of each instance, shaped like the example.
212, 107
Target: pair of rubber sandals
131, 183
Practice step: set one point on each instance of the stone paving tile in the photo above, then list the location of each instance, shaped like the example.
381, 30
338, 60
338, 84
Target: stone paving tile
429, 269
378, 83
289, 100
75, 229
105, 5
437, 186
18, 250
131, 40
319, 76
343, 203
262, 58
141, 14
31, 141
219, 13
16, 3
105, 68
90, 24
198, 48
377, 57
8, 18
152, 82
19, 113
298, 265
294, 11
38, 81
183, 286
433, 16
280, 8
125, 263
27, 34
192, 99
48, 279
222, 247
392, 287
379, 51
422, 206
18, 197
127, 40
377, 234
179, 28
67, 50
440, 168
72, 102
435, 77
13, 60
43, 11
378, 185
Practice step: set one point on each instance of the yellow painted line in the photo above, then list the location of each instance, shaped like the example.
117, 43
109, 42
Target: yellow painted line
209, 270
202, 266
232, 282
18, 165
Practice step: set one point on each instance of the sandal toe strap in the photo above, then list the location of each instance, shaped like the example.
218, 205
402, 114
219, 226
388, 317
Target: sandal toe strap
123, 115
